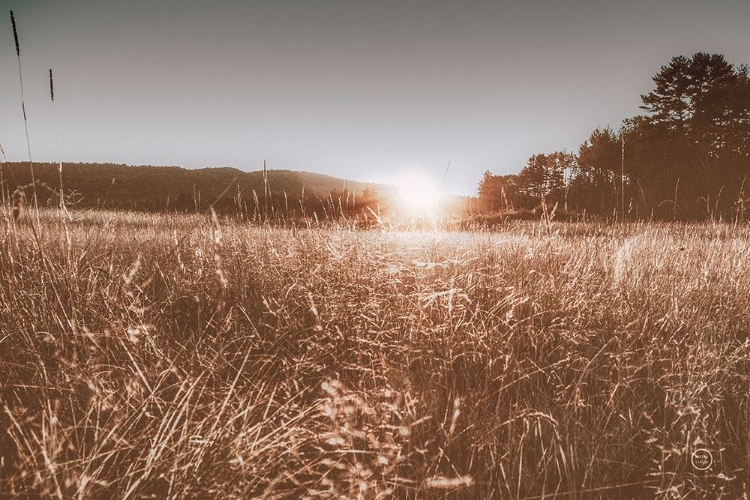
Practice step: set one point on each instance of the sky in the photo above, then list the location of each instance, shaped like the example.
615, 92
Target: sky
363, 90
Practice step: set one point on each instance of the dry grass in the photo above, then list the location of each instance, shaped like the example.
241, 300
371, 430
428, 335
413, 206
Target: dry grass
146, 356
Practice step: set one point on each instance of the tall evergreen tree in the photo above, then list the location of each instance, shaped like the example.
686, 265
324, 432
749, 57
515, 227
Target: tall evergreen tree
695, 141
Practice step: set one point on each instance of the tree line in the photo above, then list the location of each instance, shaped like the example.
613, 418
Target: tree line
686, 158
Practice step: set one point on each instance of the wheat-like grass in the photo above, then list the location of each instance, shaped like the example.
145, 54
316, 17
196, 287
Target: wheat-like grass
181, 357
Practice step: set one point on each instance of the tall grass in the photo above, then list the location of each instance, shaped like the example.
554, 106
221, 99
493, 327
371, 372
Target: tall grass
185, 357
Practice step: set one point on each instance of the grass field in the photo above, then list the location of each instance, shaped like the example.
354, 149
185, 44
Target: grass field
155, 356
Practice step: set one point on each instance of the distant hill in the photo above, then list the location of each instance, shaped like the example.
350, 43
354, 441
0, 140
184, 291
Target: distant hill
175, 188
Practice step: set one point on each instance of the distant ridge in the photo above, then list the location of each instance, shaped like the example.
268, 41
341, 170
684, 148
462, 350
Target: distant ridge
146, 187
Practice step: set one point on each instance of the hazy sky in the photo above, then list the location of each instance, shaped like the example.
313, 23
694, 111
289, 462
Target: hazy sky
357, 89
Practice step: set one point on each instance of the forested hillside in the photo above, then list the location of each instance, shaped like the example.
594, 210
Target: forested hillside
151, 188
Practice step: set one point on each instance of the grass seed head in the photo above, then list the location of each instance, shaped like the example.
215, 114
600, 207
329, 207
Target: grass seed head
15, 33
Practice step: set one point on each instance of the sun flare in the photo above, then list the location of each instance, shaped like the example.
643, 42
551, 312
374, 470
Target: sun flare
418, 193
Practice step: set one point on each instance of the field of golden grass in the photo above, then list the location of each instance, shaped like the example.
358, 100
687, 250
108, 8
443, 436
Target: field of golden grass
171, 356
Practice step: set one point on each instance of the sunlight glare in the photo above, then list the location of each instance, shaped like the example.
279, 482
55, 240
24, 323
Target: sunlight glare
418, 193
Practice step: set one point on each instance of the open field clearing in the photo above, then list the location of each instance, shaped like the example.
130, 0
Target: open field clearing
154, 356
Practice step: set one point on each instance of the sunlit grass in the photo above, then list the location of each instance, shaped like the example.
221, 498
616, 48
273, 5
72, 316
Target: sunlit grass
180, 357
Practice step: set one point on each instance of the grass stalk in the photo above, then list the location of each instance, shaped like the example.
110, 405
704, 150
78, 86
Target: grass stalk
23, 105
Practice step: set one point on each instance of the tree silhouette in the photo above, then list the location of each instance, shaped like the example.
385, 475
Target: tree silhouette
688, 156
593, 186
544, 176
694, 143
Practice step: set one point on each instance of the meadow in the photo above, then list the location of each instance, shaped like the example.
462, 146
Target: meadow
185, 356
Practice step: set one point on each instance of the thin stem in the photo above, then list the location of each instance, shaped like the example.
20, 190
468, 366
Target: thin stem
23, 104
57, 139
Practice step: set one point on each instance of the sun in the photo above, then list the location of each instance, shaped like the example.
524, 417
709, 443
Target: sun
418, 194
